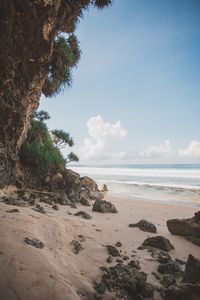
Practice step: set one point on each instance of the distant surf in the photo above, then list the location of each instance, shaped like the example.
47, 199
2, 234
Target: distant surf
171, 183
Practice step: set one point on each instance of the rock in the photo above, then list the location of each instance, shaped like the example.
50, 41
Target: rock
34, 242
104, 207
134, 263
14, 201
118, 244
63, 200
167, 280
39, 209
192, 270
90, 184
144, 226
126, 257
171, 267
85, 202
77, 247
14, 210
160, 255
127, 282
55, 207
180, 261
100, 288
83, 214
159, 242
109, 259
104, 188
183, 292
81, 238
112, 250
189, 228
157, 275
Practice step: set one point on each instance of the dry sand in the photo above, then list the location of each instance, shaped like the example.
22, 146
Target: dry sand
55, 272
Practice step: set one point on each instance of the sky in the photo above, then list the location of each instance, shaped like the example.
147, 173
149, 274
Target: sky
135, 96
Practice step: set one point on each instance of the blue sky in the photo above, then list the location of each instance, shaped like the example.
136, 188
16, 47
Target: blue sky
140, 67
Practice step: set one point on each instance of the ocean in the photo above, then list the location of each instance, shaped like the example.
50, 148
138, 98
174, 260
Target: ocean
175, 183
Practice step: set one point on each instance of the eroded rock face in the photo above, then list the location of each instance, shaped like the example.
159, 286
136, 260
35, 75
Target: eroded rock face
189, 228
192, 270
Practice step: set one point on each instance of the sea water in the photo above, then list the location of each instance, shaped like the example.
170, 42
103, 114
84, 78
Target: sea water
176, 183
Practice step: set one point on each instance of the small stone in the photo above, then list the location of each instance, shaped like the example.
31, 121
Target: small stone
109, 259
14, 210
34, 242
135, 264
77, 247
83, 214
118, 244
81, 238
100, 288
112, 250
126, 257
55, 207
85, 202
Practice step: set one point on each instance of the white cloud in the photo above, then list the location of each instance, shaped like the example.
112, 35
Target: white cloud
163, 150
192, 150
102, 140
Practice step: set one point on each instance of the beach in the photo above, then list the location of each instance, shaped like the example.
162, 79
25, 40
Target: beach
55, 271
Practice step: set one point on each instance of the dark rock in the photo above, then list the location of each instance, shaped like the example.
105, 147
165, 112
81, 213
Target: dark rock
160, 255
81, 238
126, 257
189, 228
34, 242
100, 288
39, 209
159, 242
180, 261
119, 261
63, 200
109, 259
77, 247
14, 210
112, 250
85, 202
104, 207
167, 280
144, 226
183, 292
118, 244
55, 207
134, 263
171, 267
157, 275
83, 214
127, 282
14, 201
192, 270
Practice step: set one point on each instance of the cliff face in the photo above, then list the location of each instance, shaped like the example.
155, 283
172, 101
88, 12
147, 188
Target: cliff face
27, 30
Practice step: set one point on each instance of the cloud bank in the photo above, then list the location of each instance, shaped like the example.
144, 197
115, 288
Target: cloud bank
102, 140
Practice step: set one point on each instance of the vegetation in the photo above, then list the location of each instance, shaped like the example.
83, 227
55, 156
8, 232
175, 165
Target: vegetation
41, 151
66, 51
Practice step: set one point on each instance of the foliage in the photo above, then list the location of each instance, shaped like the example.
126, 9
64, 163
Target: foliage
41, 151
62, 138
66, 51
42, 115
72, 157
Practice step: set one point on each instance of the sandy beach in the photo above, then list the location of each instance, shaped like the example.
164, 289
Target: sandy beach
55, 272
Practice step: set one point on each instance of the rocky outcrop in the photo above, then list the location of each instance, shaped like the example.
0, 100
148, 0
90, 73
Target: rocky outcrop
183, 292
144, 226
189, 228
104, 207
192, 270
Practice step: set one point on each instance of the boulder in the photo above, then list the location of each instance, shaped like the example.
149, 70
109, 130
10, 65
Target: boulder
192, 270
104, 207
171, 267
144, 226
183, 292
127, 282
112, 250
90, 184
159, 242
189, 228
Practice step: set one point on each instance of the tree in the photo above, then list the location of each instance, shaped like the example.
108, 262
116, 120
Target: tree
72, 157
61, 138
42, 115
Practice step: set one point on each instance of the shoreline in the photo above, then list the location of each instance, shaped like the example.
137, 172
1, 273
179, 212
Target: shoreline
55, 271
